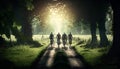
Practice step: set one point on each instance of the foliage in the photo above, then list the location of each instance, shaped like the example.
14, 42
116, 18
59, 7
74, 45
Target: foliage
109, 21
81, 27
10, 23
37, 25
6, 18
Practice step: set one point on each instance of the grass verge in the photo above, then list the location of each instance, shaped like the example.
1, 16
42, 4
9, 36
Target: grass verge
20, 56
94, 55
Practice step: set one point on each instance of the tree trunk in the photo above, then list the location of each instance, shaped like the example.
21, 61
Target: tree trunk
93, 32
22, 18
115, 49
102, 30
27, 27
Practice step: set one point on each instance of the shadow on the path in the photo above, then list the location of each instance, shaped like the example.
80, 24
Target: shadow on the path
40, 56
65, 48
50, 48
61, 61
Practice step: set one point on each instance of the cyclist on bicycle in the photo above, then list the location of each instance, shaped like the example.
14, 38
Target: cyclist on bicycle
51, 37
64, 39
70, 37
58, 39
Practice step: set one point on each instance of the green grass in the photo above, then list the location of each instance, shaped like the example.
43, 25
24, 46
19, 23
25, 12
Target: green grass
93, 54
23, 55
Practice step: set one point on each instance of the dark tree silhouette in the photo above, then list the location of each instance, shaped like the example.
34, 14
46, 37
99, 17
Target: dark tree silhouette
22, 15
94, 12
6, 19
98, 17
15, 13
115, 49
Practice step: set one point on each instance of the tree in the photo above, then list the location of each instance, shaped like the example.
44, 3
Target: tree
94, 12
22, 10
13, 14
6, 19
97, 17
115, 49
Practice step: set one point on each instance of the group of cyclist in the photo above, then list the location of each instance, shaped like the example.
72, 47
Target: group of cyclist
64, 38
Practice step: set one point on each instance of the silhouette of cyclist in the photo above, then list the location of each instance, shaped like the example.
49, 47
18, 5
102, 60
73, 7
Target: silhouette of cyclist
64, 39
58, 39
51, 37
70, 37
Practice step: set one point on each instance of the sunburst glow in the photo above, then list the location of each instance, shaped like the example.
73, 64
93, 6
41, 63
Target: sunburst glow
59, 17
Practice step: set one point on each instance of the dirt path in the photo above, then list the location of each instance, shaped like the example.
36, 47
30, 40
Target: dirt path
75, 62
47, 59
